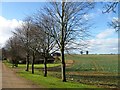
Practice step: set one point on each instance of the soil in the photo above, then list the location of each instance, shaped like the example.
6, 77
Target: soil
69, 63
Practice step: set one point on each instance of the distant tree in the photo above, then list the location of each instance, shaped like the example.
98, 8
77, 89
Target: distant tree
87, 52
12, 48
3, 52
81, 52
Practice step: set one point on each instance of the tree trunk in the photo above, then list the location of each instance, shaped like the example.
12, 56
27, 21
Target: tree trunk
33, 63
63, 66
62, 44
27, 62
45, 67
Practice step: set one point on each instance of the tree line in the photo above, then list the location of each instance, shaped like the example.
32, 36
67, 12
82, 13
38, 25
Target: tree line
55, 28
60, 26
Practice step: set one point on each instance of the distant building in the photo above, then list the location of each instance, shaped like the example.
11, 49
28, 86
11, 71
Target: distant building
57, 54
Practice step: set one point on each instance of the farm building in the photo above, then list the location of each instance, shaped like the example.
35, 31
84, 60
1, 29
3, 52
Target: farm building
39, 59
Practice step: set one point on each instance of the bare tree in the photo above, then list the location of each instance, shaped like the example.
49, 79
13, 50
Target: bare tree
115, 23
3, 53
36, 40
68, 25
32, 43
111, 7
12, 48
23, 34
46, 41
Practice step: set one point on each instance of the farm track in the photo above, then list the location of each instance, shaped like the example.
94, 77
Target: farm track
11, 80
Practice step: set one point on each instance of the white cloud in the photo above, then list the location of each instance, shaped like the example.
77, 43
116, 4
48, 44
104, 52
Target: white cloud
104, 43
6, 28
105, 33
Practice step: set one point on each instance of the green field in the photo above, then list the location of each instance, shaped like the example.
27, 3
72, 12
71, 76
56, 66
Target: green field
99, 63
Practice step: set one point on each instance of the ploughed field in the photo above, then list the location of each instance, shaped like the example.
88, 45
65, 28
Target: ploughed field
100, 70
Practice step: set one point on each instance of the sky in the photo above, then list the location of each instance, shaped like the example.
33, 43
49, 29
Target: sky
104, 39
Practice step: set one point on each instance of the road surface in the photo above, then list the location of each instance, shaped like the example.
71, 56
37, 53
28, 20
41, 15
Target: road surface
11, 80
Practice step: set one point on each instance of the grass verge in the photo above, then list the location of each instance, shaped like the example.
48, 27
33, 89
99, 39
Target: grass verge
52, 82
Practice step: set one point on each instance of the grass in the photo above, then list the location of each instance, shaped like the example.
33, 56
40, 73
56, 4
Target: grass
52, 82
37, 66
